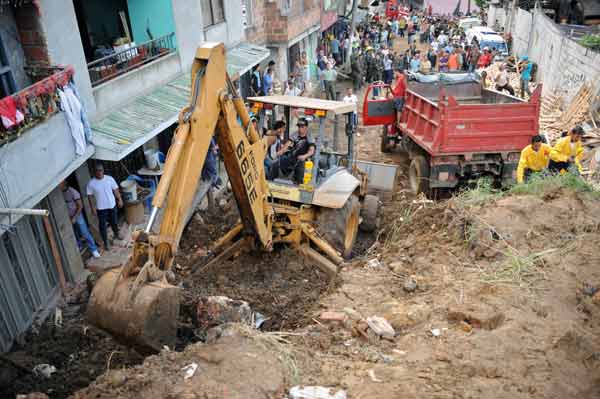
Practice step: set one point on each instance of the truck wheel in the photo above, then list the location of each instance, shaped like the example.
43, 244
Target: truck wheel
385, 141
370, 214
418, 175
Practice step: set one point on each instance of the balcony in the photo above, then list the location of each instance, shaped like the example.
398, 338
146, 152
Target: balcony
35, 103
39, 151
122, 59
121, 76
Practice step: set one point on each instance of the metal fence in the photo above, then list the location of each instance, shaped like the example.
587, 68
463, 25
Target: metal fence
123, 59
28, 276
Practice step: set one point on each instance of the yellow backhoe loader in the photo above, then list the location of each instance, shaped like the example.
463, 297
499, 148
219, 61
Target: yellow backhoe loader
135, 302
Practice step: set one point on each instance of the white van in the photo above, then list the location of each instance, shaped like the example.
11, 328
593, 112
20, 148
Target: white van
468, 23
486, 37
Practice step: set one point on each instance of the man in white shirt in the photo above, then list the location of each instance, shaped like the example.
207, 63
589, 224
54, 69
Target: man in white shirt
350, 97
106, 193
291, 89
502, 82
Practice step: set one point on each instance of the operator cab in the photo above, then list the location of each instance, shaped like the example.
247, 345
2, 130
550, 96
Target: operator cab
330, 129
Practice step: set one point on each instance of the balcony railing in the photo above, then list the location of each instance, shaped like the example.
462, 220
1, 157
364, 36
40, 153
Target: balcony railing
123, 59
35, 103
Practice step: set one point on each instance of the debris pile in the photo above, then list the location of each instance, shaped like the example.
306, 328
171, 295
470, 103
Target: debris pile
557, 117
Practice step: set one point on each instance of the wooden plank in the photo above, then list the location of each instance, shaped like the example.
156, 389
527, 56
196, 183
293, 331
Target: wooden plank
335, 107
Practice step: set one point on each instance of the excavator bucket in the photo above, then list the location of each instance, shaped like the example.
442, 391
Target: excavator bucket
145, 318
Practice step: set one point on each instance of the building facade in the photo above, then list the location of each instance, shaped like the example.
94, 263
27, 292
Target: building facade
129, 63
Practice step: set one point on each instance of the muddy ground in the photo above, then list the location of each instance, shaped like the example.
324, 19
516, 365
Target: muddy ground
79, 352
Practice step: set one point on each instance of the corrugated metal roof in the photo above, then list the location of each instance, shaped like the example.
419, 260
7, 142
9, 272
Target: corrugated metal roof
130, 126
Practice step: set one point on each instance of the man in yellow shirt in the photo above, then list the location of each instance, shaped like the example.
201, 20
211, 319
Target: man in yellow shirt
566, 152
534, 158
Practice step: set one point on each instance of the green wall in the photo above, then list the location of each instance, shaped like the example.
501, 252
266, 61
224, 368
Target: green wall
155, 14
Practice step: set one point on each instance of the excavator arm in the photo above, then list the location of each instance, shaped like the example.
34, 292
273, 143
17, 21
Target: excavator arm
215, 109
135, 302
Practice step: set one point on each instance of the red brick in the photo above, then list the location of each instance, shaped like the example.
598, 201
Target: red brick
36, 53
332, 316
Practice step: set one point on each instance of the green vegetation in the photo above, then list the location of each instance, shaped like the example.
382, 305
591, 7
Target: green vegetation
591, 41
543, 184
483, 191
538, 185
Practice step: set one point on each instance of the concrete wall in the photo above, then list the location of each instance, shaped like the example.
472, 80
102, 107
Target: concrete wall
189, 32
66, 235
563, 64
232, 30
32, 165
64, 44
14, 51
125, 88
157, 15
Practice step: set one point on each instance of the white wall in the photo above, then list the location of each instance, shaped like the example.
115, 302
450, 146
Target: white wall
32, 165
563, 64
64, 44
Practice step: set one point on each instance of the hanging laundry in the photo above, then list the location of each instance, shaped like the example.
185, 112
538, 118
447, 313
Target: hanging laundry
84, 118
9, 113
72, 109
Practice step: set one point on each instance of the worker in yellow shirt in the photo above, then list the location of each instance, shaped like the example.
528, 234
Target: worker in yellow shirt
534, 159
566, 152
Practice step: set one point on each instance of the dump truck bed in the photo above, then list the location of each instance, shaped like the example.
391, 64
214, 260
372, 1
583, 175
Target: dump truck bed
464, 118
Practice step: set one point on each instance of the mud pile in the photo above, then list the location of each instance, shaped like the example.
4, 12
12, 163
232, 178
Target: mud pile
239, 365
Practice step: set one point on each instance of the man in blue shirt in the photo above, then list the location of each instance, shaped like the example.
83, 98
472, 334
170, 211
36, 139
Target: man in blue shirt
335, 49
268, 82
525, 76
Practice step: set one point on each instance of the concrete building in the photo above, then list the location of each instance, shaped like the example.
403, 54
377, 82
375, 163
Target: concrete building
286, 28
130, 61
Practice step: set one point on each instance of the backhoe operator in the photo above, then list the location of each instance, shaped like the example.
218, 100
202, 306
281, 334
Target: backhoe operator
301, 149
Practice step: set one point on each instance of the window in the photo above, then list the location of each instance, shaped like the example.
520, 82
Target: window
7, 81
286, 7
212, 12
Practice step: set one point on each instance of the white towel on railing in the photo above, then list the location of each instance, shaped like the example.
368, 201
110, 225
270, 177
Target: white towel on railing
72, 108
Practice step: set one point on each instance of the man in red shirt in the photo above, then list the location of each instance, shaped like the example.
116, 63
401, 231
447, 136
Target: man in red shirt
398, 93
485, 59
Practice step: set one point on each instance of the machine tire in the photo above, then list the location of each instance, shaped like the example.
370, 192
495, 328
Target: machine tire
339, 227
370, 214
418, 175
386, 146
349, 219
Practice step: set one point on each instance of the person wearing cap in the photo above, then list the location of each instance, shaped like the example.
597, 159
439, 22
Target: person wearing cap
534, 159
104, 190
525, 75
301, 148
567, 152
398, 93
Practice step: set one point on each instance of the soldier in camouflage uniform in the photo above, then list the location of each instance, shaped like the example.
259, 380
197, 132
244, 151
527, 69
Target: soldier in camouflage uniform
357, 70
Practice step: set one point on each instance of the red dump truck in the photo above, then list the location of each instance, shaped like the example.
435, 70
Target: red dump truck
454, 130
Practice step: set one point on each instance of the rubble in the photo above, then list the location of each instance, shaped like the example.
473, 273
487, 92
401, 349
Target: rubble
381, 327
215, 310
316, 392
410, 285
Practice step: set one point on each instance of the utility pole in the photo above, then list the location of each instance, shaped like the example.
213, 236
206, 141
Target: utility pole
469, 8
347, 67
